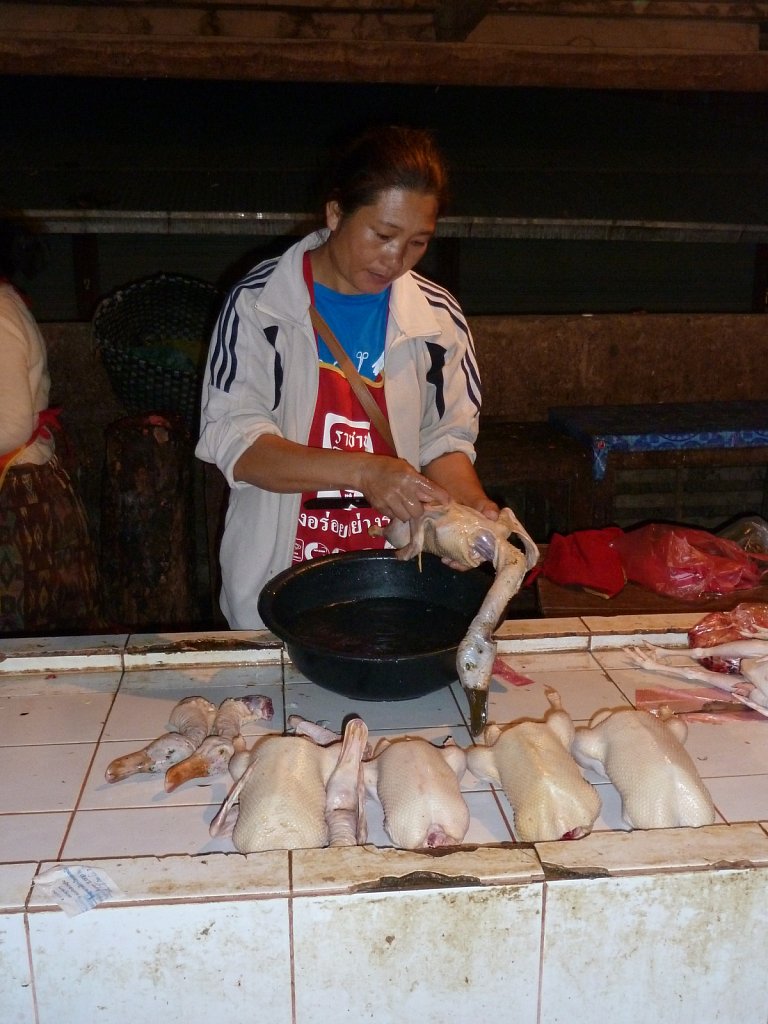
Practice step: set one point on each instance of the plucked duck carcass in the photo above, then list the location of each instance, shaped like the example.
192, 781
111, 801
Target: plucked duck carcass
644, 757
417, 784
294, 793
457, 532
531, 761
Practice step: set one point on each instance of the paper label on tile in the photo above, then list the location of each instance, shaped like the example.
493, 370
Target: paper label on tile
77, 887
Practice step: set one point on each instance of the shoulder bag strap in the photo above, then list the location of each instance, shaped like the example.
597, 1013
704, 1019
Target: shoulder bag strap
357, 383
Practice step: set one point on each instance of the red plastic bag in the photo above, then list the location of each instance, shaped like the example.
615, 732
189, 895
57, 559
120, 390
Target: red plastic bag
686, 563
723, 627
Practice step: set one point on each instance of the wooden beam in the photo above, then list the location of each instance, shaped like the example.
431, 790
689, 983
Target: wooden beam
633, 10
636, 10
455, 19
267, 223
405, 63
644, 35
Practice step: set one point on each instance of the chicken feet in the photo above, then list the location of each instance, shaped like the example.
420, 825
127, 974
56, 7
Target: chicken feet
749, 685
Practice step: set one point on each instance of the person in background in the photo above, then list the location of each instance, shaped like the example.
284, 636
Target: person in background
49, 581
309, 470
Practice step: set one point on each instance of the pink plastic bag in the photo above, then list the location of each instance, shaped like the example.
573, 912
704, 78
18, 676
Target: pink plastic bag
686, 563
723, 628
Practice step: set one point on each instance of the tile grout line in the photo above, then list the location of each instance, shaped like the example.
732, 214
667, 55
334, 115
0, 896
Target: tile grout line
291, 942
28, 939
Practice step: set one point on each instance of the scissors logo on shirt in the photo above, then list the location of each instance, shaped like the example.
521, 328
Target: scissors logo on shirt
365, 367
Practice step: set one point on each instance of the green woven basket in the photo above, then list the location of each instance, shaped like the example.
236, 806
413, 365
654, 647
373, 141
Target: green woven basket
153, 338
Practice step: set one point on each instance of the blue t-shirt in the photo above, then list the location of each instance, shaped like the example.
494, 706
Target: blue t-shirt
359, 322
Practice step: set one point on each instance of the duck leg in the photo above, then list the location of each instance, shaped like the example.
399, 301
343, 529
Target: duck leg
740, 685
345, 789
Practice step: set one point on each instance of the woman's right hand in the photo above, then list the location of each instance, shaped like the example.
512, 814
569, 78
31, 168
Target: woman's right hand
395, 489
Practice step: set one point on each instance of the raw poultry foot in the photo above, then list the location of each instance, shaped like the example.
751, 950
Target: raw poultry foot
743, 689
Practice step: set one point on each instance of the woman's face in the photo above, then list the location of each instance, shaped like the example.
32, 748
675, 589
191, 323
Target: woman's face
371, 247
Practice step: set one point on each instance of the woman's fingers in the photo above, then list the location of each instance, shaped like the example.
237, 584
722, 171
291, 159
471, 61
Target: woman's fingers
395, 488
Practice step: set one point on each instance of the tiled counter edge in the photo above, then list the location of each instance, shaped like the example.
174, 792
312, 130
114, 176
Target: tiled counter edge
508, 920
380, 905
279, 874
138, 651
153, 650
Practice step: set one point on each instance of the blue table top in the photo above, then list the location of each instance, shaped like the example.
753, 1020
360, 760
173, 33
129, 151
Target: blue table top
663, 426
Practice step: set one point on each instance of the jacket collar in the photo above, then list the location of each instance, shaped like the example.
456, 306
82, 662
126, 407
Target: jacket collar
285, 294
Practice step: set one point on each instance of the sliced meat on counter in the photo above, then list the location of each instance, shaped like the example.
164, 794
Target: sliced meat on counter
417, 784
531, 761
644, 757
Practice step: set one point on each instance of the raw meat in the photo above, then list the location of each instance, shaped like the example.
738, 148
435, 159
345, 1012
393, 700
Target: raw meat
459, 533
295, 794
644, 757
749, 685
188, 726
213, 754
531, 761
418, 786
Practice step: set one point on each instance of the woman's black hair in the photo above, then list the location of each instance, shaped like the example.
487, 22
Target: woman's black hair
389, 157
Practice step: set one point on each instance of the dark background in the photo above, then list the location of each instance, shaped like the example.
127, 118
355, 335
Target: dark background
678, 161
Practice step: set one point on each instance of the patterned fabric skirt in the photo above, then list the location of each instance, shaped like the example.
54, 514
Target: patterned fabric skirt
49, 578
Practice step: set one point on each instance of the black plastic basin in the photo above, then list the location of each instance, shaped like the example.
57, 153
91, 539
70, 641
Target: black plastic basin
367, 625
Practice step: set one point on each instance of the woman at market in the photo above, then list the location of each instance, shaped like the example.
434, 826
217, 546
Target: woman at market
309, 467
49, 579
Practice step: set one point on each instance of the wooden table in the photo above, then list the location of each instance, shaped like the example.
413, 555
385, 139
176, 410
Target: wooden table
563, 602
681, 435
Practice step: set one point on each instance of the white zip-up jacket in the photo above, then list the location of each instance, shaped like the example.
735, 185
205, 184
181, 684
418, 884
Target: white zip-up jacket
262, 378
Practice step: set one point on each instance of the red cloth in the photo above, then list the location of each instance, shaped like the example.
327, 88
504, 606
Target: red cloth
586, 559
46, 419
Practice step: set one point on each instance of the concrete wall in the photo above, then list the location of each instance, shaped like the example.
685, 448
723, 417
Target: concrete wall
528, 363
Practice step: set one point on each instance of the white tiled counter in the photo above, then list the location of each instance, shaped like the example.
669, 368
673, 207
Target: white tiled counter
621, 926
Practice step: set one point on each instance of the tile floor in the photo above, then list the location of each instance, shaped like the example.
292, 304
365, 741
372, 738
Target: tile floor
61, 728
